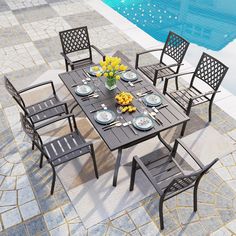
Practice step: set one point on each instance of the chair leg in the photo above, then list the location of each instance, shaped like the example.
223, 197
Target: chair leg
210, 110
176, 83
161, 213
53, 179
41, 161
187, 113
66, 65
94, 161
32, 145
133, 172
183, 129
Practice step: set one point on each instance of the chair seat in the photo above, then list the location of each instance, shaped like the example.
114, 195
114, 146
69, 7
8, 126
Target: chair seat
149, 70
183, 96
40, 106
83, 63
66, 148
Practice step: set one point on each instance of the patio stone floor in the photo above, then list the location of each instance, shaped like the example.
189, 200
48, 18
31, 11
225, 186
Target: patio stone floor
29, 46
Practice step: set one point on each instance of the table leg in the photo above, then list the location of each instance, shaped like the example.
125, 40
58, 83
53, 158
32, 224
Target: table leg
117, 166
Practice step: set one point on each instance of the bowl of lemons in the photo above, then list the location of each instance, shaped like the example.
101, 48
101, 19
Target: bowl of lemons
124, 98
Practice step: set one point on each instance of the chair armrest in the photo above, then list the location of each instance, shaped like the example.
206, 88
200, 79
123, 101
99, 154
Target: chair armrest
195, 158
38, 85
148, 51
169, 66
204, 94
51, 107
180, 74
67, 59
148, 175
67, 116
99, 51
144, 52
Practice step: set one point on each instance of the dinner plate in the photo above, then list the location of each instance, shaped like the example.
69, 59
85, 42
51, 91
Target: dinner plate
93, 72
129, 76
84, 89
104, 116
152, 100
142, 122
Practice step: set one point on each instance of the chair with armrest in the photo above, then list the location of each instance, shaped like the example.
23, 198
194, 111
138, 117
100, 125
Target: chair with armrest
62, 149
77, 40
176, 48
167, 176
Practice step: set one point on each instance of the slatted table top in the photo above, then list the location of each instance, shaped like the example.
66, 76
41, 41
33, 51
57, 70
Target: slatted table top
122, 137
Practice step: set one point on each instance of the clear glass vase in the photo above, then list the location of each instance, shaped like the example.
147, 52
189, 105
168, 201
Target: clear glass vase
110, 83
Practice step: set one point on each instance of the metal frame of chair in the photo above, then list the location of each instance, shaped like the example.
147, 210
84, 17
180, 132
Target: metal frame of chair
167, 176
209, 70
176, 48
74, 40
62, 149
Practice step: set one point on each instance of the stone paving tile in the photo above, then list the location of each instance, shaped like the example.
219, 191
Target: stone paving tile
45, 28
69, 212
28, 15
149, 229
18, 57
221, 232
70, 7
18, 230
139, 216
124, 223
7, 19
81, 19
29, 210
54, 218
8, 198
77, 229
115, 232
11, 217
36, 226
12, 35
97, 230
60, 231
19, 4
4, 6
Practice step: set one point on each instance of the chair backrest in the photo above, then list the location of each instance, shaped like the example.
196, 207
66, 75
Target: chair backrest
31, 132
183, 182
175, 47
73, 40
210, 70
14, 93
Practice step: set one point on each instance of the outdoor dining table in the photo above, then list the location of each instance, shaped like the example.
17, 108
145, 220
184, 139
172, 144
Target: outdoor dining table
119, 138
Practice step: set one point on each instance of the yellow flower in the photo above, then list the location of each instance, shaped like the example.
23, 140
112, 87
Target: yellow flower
111, 73
122, 67
117, 77
98, 74
109, 67
105, 74
108, 59
101, 63
104, 68
113, 64
117, 67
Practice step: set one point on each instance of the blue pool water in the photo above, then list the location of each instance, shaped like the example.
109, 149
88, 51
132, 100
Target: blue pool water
207, 23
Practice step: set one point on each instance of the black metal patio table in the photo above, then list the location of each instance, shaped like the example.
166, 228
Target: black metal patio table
119, 138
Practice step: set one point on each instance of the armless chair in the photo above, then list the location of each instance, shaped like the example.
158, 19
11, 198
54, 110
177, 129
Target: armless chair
167, 176
211, 72
175, 47
42, 110
77, 40
62, 149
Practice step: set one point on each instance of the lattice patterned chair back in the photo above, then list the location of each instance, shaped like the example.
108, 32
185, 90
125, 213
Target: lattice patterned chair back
184, 182
73, 40
31, 132
210, 70
14, 93
175, 47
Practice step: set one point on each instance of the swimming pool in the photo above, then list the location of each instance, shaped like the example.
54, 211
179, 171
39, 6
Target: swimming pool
207, 23
210, 26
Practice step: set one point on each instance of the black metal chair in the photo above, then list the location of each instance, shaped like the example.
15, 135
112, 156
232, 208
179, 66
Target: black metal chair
175, 47
167, 176
75, 40
62, 149
209, 70
42, 110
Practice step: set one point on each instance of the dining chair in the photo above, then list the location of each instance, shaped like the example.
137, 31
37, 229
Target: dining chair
77, 40
175, 48
60, 150
211, 72
167, 175
42, 110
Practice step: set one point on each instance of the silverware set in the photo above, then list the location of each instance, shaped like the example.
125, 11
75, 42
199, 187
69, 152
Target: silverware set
85, 80
144, 93
93, 95
132, 84
103, 107
119, 124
